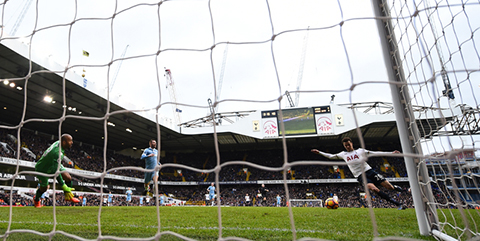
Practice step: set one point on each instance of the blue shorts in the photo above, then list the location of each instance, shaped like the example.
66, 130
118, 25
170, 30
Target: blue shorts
150, 165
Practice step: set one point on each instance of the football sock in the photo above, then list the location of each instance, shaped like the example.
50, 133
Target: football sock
398, 188
388, 198
38, 195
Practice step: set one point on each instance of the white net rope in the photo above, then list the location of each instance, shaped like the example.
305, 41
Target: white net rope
438, 51
436, 40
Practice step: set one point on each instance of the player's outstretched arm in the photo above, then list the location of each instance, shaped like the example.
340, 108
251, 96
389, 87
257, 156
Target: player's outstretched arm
383, 152
327, 155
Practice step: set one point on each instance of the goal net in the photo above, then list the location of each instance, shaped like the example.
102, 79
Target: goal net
306, 202
174, 61
432, 49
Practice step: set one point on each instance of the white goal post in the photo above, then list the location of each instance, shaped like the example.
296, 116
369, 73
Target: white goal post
432, 58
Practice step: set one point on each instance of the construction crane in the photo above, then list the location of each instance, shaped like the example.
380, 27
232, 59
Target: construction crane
118, 68
446, 81
212, 113
20, 17
222, 73
173, 96
289, 98
301, 66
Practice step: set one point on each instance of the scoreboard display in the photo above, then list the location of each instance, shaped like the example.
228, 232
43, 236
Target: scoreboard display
298, 121
322, 109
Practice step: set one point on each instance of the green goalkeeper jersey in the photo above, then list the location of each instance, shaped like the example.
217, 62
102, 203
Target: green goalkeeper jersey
48, 163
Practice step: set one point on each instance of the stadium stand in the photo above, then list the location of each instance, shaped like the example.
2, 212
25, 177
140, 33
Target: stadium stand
87, 157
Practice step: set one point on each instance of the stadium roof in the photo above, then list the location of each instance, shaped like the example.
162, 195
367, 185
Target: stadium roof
42, 116
86, 103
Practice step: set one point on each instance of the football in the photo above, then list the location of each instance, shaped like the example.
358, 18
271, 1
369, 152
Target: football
330, 203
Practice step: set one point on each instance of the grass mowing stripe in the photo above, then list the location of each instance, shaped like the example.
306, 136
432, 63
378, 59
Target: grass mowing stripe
171, 227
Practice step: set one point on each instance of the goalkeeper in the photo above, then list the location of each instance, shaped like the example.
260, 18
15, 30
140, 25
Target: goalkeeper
48, 164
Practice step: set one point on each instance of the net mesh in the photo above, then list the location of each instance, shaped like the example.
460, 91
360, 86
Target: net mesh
438, 52
436, 55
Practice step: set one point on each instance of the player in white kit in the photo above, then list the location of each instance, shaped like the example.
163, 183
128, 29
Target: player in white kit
357, 163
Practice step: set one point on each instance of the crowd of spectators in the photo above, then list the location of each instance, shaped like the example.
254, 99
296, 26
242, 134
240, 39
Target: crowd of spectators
349, 195
91, 158
17, 200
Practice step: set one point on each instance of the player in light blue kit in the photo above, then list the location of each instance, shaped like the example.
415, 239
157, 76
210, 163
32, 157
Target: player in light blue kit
141, 201
84, 201
211, 193
162, 200
150, 157
279, 201
110, 198
129, 196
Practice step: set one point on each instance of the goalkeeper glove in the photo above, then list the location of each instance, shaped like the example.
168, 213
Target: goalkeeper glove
68, 196
67, 189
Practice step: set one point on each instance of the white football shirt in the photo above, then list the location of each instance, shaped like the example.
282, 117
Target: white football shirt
356, 160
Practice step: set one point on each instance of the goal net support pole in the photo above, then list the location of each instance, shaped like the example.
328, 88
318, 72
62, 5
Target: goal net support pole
407, 128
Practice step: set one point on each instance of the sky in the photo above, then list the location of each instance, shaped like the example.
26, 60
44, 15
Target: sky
266, 42
249, 72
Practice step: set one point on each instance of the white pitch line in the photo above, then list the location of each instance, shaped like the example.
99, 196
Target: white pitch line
173, 227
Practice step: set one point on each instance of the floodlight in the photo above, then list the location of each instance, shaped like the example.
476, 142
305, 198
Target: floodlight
48, 99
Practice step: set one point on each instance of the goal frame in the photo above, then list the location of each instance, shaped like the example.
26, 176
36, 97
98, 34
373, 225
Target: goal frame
405, 119
409, 134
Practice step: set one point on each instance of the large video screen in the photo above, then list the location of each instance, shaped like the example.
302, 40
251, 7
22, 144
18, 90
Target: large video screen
298, 121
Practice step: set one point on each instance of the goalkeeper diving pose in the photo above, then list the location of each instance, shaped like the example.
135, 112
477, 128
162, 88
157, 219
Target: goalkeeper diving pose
357, 163
48, 164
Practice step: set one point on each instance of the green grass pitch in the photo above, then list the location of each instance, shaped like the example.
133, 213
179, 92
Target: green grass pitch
201, 223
